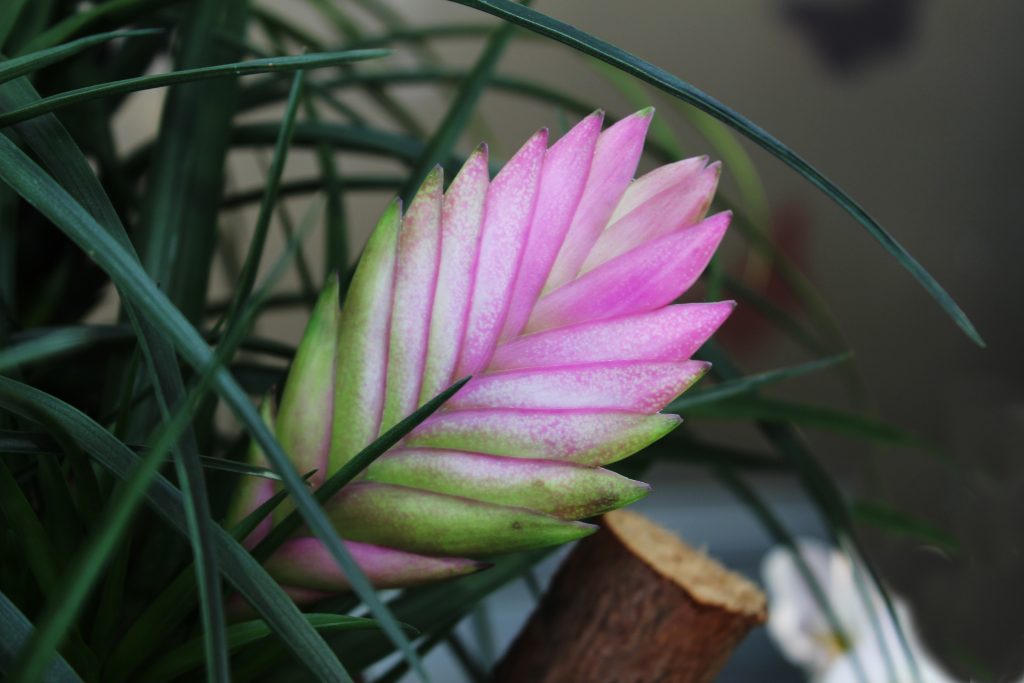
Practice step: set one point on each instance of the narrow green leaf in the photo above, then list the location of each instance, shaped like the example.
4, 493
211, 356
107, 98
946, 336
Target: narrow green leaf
10, 11
123, 11
63, 522
19, 66
433, 608
442, 142
809, 297
775, 314
420, 34
825, 493
383, 183
237, 564
307, 134
399, 669
663, 80
39, 553
266, 91
15, 632
48, 346
171, 606
189, 655
170, 394
771, 410
743, 385
353, 467
259, 238
54, 201
73, 588
683, 447
177, 224
336, 242
276, 26
781, 535
236, 467
252, 66
30, 443
901, 523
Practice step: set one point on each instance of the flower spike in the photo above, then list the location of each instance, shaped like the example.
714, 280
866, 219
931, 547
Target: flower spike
554, 285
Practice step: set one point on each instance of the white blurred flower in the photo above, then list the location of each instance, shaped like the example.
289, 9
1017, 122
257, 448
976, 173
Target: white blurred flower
805, 635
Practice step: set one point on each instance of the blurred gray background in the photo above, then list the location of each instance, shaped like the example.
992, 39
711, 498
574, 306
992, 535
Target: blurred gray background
915, 108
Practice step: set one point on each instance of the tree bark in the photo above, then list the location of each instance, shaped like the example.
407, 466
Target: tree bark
633, 603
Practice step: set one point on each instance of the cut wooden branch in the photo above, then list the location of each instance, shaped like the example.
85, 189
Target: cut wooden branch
634, 603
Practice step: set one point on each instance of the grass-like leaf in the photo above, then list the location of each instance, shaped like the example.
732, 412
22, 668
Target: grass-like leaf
31, 443
259, 238
252, 66
663, 80
781, 535
434, 607
351, 469
54, 202
46, 347
682, 447
25, 64
360, 183
189, 655
74, 586
758, 408
124, 11
15, 632
237, 564
900, 523
164, 613
9, 13
307, 133
825, 493
743, 385
443, 140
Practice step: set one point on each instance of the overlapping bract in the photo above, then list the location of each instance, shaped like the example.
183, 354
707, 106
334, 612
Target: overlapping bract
551, 284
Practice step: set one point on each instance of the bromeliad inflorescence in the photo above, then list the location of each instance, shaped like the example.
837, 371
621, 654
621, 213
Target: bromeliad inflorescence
551, 284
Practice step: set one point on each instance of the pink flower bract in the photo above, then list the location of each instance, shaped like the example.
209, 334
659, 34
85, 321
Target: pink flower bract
553, 285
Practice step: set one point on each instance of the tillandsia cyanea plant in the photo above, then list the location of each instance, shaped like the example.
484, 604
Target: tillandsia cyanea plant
553, 286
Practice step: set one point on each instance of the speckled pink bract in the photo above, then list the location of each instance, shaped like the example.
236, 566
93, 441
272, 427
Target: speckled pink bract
552, 284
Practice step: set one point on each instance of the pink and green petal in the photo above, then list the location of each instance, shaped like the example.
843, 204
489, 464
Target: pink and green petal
581, 437
628, 386
363, 343
510, 203
561, 489
615, 159
254, 491
657, 181
562, 179
433, 523
306, 411
306, 563
675, 207
646, 278
461, 220
672, 333
419, 249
